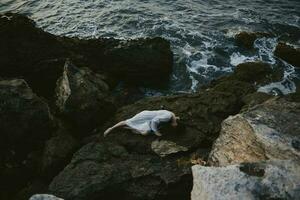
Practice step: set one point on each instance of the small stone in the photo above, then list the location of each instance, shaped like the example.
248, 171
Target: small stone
164, 147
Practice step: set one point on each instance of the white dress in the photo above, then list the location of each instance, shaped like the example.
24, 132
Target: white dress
147, 121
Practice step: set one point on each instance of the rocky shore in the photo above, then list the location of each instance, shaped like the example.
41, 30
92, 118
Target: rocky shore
57, 97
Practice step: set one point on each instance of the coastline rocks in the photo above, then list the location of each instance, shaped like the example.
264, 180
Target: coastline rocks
257, 73
24, 50
124, 165
25, 118
288, 53
23, 46
109, 170
246, 39
266, 131
263, 180
26, 123
83, 97
57, 153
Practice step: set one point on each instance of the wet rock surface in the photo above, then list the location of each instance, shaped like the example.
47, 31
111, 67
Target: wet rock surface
57, 153
266, 131
263, 180
246, 39
288, 53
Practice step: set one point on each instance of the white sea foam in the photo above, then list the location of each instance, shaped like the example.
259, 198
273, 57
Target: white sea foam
237, 58
286, 87
266, 47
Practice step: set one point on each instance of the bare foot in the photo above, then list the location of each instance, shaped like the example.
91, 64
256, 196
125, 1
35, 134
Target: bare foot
106, 132
158, 134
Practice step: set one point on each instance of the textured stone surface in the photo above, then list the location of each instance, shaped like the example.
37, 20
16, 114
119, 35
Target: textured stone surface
83, 97
288, 53
246, 39
24, 49
25, 125
107, 170
164, 147
57, 153
267, 131
264, 180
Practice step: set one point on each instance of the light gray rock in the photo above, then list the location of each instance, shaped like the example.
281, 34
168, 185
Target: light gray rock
164, 147
268, 131
44, 197
265, 180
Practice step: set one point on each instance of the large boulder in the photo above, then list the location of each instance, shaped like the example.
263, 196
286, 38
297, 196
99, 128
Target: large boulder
267, 131
26, 123
263, 180
24, 48
288, 53
57, 153
25, 118
83, 97
247, 39
107, 170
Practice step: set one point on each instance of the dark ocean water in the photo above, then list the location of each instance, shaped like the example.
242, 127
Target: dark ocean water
201, 31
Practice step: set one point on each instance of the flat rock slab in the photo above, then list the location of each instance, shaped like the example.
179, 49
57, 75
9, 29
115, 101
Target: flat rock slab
265, 180
164, 147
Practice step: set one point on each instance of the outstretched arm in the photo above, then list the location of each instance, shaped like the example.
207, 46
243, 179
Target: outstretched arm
174, 120
154, 126
122, 123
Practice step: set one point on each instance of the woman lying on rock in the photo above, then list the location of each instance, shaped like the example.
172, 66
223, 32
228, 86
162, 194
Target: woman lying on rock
147, 122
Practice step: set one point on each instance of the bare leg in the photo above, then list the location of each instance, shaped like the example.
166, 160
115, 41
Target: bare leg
122, 123
158, 134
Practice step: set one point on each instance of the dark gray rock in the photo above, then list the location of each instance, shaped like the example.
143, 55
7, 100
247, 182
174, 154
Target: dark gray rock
26, 123
25, 118
247, 39
108, 170
57, 154
24, 47
83, 97
288, 53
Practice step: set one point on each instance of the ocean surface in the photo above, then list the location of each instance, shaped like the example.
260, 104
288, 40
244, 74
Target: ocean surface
201, 31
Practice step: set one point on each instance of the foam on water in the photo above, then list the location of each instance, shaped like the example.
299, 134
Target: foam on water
237, 58
201, 32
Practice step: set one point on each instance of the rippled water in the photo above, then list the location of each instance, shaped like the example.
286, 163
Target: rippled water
201, 31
